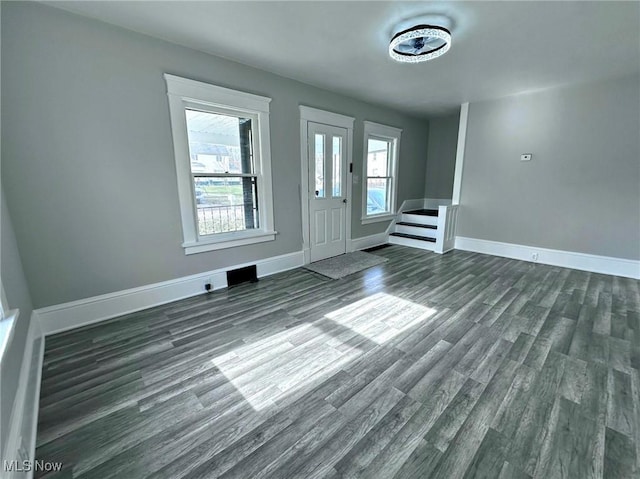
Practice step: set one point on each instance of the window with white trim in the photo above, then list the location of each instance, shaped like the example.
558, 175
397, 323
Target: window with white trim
381, 148
223, 165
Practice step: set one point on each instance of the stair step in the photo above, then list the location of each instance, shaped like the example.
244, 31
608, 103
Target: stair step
419, 219
423, 231
415, 237
417, 225
412, 243
422, 212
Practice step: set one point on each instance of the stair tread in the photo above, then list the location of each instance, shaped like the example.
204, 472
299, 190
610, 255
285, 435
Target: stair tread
422, 212
417, 225
415, 237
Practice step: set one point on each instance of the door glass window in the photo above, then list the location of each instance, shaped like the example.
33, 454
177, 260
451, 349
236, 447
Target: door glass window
337, 166
319, 170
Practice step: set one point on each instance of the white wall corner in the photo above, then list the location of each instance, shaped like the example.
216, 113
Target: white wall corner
62, 317
460, 150
565, 259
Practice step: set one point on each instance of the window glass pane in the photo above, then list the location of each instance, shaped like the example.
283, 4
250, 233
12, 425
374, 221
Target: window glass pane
226, 204
337, 166
219, 143
319, 170
378, 195
378, 157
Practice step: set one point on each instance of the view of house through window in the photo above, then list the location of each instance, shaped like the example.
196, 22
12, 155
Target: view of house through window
224, 178
379, 175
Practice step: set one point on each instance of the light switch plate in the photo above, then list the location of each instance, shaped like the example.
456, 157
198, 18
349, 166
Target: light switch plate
525, 157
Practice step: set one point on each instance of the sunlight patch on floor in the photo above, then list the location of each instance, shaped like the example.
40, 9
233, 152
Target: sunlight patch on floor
381, 317
289, 363
282, 364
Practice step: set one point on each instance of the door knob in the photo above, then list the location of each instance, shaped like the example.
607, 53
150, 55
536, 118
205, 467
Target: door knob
344, 201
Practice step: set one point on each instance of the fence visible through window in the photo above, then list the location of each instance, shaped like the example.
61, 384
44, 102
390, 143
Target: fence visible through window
224, 182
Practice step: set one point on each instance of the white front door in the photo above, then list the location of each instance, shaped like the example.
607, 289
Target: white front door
327, 190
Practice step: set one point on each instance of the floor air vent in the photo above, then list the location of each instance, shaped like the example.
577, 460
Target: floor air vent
242, 275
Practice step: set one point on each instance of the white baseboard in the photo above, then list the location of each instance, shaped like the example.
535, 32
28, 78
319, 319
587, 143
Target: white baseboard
566, 259
62, 317
370, 241
269, 266
25, 406
34, 402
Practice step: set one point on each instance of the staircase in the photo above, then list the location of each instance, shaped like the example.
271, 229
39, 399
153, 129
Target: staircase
429, 229
416, 228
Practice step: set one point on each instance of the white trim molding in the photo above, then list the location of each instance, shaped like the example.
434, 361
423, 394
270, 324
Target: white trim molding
7, 327
184, 94
377, 218
370, 241
566, 259
4, 304
21, 440
392, 135
462, 139
446, 231
314, 115
215, 95
62, 317
326, 117
241, 238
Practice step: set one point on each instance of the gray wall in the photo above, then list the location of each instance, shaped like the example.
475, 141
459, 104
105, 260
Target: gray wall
15, 287
17, 296
581, 191
88, 160
441, 156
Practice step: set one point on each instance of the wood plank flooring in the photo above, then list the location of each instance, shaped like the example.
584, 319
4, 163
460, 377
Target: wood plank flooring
455, 366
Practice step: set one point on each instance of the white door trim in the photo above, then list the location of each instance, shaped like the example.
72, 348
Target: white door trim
308, 114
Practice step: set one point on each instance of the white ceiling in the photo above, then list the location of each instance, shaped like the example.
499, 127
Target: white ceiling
498, 48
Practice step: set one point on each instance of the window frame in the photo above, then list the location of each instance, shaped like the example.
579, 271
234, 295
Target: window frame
386, 133
184, 93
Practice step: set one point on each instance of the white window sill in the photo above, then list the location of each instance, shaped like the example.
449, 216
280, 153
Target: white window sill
7, 325
379, 218
230, 240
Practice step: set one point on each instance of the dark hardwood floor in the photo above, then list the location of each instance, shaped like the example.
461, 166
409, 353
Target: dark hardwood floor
428, 366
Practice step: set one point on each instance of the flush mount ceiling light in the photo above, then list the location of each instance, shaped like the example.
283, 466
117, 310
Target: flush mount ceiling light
420, 43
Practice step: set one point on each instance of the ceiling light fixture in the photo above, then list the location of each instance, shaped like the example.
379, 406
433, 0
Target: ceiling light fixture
420, 43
